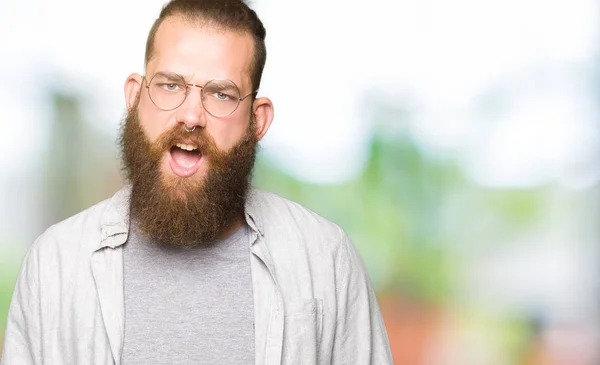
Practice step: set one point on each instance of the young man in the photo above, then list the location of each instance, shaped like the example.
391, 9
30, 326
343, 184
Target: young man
188, 264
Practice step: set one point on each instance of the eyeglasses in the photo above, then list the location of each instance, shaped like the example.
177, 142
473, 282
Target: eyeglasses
168, 91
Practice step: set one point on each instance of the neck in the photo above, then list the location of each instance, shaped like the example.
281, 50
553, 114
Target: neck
237, 223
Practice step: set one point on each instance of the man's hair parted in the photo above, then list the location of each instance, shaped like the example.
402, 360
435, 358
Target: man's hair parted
231, 15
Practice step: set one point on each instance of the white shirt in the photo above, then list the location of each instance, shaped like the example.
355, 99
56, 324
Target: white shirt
313, 302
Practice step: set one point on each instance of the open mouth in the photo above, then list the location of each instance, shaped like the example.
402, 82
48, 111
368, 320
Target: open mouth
185, 159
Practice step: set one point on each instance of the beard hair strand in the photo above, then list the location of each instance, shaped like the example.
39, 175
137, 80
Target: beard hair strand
185, 212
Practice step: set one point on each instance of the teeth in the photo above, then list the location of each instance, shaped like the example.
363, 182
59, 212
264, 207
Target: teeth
187, 147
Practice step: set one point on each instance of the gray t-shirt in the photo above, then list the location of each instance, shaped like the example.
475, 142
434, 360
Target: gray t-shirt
188, 306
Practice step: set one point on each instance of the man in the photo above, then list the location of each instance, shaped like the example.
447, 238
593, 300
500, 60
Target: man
188, 264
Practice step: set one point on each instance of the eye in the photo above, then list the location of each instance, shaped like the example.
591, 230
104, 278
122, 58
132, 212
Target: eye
221, 91
222, 96
170, 86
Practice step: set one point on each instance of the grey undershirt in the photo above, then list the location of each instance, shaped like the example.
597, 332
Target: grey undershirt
191, 306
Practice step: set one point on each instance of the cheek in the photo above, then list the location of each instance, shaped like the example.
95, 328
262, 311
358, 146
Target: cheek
153, 123
228, 132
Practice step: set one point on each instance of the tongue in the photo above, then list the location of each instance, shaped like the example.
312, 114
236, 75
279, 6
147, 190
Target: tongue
183, 158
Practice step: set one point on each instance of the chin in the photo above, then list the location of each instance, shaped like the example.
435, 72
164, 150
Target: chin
180, 187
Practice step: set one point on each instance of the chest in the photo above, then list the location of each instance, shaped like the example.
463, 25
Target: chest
193, 307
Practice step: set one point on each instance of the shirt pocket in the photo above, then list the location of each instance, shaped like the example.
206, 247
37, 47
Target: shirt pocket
303, 321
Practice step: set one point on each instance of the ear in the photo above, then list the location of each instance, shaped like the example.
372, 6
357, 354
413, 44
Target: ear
263, 115
133, 86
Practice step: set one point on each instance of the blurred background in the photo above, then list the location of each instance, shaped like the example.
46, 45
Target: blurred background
457, 142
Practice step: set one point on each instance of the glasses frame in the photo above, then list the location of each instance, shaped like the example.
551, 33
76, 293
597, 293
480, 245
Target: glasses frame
187, 91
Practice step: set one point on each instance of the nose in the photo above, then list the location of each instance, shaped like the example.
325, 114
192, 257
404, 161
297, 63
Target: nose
191, 113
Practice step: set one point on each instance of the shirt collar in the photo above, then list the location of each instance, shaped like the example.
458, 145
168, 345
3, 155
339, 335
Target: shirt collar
253, 211
114, 222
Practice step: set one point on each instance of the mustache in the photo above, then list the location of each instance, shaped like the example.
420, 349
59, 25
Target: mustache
178, 134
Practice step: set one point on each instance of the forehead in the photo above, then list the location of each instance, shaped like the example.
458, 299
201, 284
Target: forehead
202, 53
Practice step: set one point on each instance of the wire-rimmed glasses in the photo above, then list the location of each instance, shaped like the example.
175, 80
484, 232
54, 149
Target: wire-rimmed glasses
168, 91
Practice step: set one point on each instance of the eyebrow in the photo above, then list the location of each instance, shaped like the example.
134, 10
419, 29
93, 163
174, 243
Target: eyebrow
225, 85
171, 76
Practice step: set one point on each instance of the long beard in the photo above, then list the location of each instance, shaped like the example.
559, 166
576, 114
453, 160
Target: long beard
185, 212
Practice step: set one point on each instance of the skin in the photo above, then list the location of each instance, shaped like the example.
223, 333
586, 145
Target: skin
200, 54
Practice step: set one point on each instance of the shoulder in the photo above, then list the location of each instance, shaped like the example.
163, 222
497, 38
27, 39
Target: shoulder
276, 212
292, 230
78, 232
58, 262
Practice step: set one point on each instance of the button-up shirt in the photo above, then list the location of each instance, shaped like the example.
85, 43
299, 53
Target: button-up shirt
313, 301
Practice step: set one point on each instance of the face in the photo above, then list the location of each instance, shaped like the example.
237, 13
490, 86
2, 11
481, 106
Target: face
184, 197
199, 55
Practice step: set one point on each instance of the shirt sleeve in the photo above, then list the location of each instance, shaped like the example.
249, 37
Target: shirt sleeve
22, 337
360, 335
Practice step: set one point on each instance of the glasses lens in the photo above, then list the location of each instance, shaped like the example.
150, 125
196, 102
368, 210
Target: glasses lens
167, 91
221, 97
